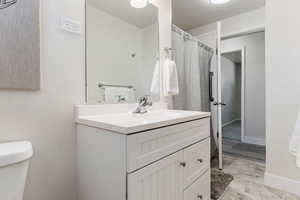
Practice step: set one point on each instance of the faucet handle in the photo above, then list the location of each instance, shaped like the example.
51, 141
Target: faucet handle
148, 100
145, 100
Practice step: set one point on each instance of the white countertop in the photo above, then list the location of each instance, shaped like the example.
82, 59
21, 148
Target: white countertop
128, 123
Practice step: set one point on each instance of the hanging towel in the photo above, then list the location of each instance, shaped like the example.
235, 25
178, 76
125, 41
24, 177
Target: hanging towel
115, 95
155, 86
295, 141
170, 86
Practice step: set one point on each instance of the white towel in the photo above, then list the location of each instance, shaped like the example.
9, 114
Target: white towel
295, 141
155, 86
170, 86
119, 95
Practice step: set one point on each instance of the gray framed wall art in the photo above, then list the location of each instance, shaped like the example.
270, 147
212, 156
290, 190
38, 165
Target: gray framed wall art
19, 44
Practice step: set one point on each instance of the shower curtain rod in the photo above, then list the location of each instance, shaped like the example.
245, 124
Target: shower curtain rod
188, 36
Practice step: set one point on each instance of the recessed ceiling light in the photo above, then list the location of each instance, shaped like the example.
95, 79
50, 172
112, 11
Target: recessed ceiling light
139, 3
219, 1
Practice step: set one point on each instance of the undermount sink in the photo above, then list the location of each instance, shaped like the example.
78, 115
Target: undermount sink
128, 123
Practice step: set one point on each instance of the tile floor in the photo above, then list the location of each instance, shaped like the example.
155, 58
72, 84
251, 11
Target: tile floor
244, 150
233, 131
232, 143
248, 182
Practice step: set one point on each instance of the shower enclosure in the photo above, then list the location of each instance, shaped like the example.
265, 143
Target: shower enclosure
198, 67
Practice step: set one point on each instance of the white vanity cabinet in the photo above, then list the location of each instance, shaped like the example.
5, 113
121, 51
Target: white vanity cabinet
160, 180
165, 163
176, 177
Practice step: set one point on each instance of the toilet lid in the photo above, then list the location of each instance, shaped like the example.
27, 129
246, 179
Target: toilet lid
14, 152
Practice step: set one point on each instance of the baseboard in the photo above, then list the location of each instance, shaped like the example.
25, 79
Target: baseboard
253, 140
282, 183
230, 122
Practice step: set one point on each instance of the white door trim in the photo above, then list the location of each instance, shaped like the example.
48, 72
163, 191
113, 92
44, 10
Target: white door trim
243, 77
219, 98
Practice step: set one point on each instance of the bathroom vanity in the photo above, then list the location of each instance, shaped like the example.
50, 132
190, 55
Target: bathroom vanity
160, 155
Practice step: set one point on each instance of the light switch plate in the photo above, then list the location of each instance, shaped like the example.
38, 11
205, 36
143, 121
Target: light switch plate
70, 25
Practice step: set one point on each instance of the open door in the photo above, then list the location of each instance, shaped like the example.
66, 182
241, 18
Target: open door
219, 103
216, 96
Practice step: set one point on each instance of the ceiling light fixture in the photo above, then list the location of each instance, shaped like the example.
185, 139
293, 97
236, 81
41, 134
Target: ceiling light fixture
139, 3
219, 1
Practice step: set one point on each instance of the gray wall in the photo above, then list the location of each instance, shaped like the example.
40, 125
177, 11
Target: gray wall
254, 83
231, 77
238, 68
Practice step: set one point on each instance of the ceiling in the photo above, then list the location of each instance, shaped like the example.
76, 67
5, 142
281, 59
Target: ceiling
189, 14
235, 57
122, 9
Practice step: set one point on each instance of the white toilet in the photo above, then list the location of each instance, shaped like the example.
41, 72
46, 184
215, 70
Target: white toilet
14, 162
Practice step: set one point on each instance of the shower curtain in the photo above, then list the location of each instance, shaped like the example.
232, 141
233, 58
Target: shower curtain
189, 79
194, 62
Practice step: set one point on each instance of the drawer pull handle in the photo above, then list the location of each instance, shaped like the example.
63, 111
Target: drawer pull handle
200, 197
200, 160
183, 164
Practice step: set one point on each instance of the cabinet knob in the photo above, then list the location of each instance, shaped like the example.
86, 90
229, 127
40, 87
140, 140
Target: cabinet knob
200, 197
200, 160
183, 164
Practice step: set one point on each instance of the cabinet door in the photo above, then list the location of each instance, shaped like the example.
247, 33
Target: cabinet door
162, 180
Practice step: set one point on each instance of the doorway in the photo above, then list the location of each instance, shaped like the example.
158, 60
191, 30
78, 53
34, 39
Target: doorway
232, 72
242, 90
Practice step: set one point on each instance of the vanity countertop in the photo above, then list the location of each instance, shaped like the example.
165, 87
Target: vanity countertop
127, 123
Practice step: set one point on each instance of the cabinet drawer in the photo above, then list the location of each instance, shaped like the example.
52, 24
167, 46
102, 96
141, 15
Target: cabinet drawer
147, 147
197, 160
199, 190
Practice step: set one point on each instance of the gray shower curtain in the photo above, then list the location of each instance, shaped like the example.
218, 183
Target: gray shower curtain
194, 62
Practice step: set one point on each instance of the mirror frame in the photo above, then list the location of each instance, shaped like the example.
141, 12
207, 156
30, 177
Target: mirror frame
165, 38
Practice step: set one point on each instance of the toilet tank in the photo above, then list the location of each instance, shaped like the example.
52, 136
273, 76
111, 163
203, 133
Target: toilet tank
14, 163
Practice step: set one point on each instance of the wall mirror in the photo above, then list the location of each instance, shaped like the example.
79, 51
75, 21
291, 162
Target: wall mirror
122, 47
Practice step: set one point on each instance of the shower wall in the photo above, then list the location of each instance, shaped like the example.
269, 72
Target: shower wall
19, 46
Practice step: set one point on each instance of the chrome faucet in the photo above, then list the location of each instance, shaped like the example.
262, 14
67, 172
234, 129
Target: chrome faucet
143, 102
6, 3
121, 98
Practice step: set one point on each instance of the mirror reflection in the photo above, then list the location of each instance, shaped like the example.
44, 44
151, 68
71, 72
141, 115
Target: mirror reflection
122, 51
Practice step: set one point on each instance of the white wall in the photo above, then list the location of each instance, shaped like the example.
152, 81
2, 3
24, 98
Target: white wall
209, 38
282, 91
230, 91
165, 35
253, 20
46, 117
254, 45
